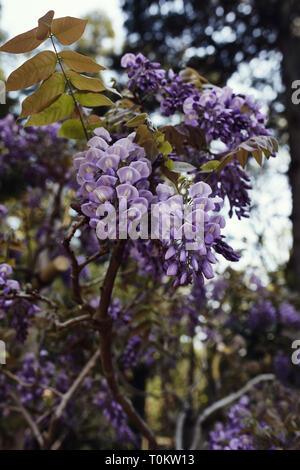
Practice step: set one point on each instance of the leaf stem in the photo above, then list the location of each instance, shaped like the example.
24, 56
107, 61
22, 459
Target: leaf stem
70, 88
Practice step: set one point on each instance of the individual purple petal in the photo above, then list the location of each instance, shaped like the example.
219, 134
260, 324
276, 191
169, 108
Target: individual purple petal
127, 191
87, 171
107, 180
127, 60
89, 209
172, 269
98, 142
164, 191
200, 189
87, 188
5, 269
93, 155
146, 194
109, 161
128, 174
171, 251
142, 168
103, 133
102, 194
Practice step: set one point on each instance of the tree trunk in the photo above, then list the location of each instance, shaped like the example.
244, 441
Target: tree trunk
290, 47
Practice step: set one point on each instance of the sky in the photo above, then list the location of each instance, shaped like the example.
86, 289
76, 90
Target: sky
19, 15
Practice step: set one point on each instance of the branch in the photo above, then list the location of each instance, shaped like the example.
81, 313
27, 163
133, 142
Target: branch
69, 395
76, 294
34, 428
32, 296
225, 402
72, 321
92, 258
105, 330
21, 382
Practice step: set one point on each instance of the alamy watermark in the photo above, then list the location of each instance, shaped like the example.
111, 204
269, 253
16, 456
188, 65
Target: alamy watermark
296, 93
2, 353
165, 221
296, 354
2, 92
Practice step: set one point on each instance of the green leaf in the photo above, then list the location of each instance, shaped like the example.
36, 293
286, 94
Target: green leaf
33, 71
68, 29
79, 62
93, 99
165, 148
169, 164
50, 90
84, 83
183, 167
72, 129
22, 43
210, 166
137, 120
59, 110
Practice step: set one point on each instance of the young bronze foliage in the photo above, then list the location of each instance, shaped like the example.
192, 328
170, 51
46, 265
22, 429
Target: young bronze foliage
63, 89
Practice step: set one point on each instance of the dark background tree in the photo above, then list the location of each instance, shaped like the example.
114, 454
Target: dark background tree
220, 35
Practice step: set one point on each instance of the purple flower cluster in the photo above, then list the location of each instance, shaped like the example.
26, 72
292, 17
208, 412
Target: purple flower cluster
20, 310
173, 92
234, 184
262, 316
114, 414
233, 434
289, 316
144, 75
7, 286
223, 115
200, 229
113, 176
147, 77
22, 152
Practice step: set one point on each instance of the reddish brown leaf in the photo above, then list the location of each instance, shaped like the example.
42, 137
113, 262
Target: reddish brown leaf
33, 71
25, 42
44, 25
79, 62
68, 29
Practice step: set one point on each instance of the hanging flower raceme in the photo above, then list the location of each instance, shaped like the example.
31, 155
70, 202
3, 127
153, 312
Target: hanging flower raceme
144, 75
223, 115
18, 310
183, 232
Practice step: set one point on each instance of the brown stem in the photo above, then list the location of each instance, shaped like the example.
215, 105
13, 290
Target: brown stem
106, 339
67, 397
76, 290
70, 88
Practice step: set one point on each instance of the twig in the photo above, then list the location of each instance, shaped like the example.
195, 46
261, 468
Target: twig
72, 321
68, 396
34, 428
76, 291
32, 296
92, 258
225, 402
17, 379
